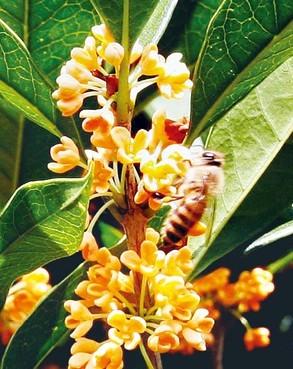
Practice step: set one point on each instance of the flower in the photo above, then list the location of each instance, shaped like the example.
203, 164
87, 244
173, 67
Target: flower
256, 337
89, 247
113, 53
175, 77
87, 56
66, 156
130, 149
102, 174
82, 352
194, 330
22, 298
178, 262
154, 199
80, 318
151, 259
253, 287
173, 298
213, 281
151, 62
165, 337
108, 356
125, 331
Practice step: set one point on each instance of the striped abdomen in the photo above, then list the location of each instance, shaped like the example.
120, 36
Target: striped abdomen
188, 213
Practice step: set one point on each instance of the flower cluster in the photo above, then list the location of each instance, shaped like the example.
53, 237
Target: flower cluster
22, 298
246, 294
156, 156
165, 312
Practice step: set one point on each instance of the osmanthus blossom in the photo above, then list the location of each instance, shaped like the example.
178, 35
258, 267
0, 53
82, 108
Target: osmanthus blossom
172, 315
143, 296
22, 299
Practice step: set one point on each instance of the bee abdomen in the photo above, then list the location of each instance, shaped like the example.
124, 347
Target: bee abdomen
182, 220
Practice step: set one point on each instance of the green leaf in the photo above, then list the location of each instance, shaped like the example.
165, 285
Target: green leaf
250, 136
157, 221
43, 221
186, 30
22, 84
283, 231
50, 29
157, 23
111, 12
11, 124
44, 329
108, 235
245, 42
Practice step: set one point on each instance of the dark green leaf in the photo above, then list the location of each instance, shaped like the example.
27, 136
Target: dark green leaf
11, 124
43, 221
157, 221
187, 28
111, 12
278, 233
245, 42
45, 328
22, 84
250, 136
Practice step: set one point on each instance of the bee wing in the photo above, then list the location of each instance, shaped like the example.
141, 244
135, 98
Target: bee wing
210, 215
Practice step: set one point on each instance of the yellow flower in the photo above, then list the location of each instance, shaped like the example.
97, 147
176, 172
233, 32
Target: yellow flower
154, 199
108, 356
157, 133
151, 259
178, 262
173, 298
174, 79
256, 337
130, 149
194, 330
65, 154
87, 55
113, 54
151, 62
22, 298
165, 337
89, 247
102, 33
125, 331
80, 318
82, 352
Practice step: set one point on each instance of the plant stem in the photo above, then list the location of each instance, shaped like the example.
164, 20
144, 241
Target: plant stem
145, 356
280, 264
98, 214
218, 347
123, 89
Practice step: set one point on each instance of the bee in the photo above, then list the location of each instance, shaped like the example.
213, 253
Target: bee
204, 178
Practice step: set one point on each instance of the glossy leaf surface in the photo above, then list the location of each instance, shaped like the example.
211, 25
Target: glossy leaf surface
43, 221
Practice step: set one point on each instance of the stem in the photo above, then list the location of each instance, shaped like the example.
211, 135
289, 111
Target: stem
142, 295
123, 89
241, 318
146, 356
280, 264
126, 302
104, 194
218, 347
98, 214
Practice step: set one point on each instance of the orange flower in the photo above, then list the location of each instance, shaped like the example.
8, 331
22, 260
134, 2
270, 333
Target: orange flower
212, 281
165, 337
108, 356
102, 174
253, 287
80, 318
256, 337
66, 156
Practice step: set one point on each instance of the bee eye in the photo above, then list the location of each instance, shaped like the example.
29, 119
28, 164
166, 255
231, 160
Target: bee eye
209, 155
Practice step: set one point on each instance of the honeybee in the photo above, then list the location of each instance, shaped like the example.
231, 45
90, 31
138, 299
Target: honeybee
204, 178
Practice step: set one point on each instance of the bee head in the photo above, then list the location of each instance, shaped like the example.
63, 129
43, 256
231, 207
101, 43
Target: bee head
213, 158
